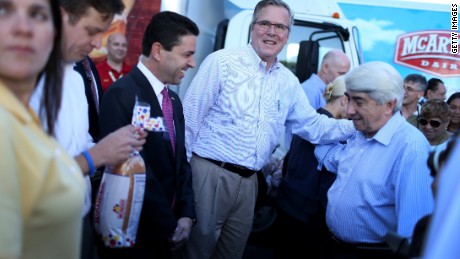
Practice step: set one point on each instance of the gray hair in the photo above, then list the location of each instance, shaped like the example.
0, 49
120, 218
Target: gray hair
379, 80
416, 78
264, 3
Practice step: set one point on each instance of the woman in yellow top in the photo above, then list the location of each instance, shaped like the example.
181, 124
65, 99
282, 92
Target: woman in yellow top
41, 187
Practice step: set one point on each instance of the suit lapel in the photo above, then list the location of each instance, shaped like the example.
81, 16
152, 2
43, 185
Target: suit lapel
148, 95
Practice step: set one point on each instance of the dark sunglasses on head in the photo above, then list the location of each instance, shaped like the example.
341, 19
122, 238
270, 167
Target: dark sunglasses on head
433, 123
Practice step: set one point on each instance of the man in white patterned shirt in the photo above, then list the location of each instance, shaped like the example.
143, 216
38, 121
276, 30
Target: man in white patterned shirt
235, 110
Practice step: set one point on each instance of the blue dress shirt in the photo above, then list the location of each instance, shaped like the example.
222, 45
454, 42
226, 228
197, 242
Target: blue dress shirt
382, 185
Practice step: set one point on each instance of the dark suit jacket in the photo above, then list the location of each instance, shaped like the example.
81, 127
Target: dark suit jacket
302, 193
92, 112
168, 176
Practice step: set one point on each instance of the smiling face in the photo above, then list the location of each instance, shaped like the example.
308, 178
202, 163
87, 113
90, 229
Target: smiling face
412, 93
268, 43
83, 35
117, 47
433, 120
433, 128
27, 33
173, 64
367, 115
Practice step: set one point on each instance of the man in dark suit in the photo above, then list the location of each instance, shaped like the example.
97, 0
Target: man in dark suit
168, 211
93, 91
88, 71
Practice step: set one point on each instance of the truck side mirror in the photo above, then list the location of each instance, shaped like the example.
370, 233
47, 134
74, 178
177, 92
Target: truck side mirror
307, 60
220, 34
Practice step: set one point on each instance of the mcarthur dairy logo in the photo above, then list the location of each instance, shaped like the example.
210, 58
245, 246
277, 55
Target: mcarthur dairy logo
428, 51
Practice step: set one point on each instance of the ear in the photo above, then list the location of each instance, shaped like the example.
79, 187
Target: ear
343, 100
428, 93
325, 67
390, 106
155, 51
65, 16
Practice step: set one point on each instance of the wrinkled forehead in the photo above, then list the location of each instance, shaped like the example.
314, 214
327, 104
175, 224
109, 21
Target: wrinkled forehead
274, 14
412, 83
118, 38
357, 95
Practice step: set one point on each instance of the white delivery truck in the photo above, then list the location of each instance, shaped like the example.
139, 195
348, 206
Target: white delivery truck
413, 36
318, 27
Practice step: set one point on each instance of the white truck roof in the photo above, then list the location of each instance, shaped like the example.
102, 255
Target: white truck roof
322, 8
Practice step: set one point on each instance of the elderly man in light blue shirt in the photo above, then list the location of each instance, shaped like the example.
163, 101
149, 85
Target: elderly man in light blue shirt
383, 181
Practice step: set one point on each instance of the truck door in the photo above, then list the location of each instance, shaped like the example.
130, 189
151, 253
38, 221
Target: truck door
309, 42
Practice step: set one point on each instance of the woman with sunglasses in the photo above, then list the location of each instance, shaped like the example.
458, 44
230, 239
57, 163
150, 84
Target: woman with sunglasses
454, 104
433, 121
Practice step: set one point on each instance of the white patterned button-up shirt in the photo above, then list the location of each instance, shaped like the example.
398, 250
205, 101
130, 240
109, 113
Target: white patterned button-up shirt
235, 110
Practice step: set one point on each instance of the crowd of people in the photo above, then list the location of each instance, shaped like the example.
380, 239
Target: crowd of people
365, 142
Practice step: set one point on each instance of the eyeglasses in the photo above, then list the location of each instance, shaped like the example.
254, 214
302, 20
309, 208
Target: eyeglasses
410, 89
279, 28
433, 123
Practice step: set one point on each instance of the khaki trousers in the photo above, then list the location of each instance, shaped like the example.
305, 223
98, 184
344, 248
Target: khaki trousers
224, 203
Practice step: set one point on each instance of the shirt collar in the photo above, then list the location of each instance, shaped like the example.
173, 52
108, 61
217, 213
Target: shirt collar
318, 81
385, 134
10, 102
259, 62
153, 80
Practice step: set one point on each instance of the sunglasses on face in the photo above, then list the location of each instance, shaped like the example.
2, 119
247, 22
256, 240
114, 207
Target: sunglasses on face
433, 123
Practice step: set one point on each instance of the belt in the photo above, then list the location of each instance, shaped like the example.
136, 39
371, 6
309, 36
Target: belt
240, 170
361, 246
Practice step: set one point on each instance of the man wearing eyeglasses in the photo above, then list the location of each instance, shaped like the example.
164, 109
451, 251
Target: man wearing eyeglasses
235, 111
414, 89
383, 180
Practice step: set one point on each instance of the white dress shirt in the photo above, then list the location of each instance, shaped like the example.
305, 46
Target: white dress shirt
72, 125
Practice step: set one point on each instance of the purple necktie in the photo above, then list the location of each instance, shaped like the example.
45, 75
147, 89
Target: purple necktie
166, 106
89, 75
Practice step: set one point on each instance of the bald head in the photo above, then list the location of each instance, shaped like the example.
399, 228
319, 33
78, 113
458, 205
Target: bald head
117, 47
334, 64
